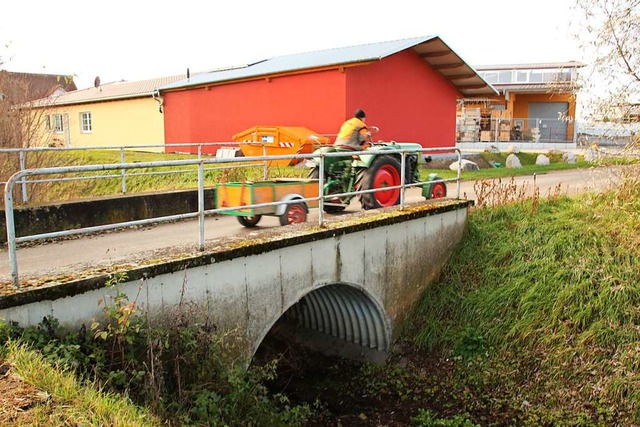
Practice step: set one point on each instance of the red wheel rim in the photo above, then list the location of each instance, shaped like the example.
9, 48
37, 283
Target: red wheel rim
387, 176
296, 215
438, 191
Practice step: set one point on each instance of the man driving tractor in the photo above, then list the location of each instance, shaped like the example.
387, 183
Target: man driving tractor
353, 132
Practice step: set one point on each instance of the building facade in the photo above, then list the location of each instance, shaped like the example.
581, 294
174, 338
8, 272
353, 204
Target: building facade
409, 89
536, 103
110, 115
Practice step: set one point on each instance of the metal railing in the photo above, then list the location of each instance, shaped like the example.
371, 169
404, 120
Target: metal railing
23, 152
16, 178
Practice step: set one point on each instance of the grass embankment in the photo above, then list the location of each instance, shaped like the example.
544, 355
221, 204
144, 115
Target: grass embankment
36, 393
539, 306
529, 167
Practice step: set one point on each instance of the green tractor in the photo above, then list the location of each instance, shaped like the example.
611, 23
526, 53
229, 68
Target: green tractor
372, 171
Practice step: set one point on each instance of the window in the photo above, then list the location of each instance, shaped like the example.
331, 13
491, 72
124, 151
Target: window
490, 76
58, 127
47, 122
558, 76
504, 77
536, 77
85, 122
521, 76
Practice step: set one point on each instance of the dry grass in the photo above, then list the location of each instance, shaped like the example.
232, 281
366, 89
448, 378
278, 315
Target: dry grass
499, 192
35, 393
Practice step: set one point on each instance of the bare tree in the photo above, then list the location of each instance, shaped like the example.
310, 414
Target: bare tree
21, 125
609, 33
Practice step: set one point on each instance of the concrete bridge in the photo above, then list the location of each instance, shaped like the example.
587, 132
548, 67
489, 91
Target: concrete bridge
351, 282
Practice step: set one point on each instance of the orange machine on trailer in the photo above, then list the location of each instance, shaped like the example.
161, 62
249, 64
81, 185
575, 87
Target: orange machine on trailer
277, 141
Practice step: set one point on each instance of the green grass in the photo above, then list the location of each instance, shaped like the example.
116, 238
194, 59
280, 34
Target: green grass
541, 303
64, 401
529, 167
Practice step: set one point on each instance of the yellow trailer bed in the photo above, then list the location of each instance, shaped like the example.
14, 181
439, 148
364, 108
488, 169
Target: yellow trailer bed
292, 191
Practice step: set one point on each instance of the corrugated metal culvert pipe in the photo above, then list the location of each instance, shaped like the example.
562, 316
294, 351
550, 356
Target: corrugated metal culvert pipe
343, 312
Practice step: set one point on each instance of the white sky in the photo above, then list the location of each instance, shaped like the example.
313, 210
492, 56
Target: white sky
140, 39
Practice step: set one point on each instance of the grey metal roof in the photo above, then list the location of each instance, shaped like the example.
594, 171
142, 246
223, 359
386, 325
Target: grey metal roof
431, 48
107, 92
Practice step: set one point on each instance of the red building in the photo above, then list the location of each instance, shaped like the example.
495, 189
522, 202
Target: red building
409, 89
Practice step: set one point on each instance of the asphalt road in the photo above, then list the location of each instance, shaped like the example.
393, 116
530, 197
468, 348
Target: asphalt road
116, 247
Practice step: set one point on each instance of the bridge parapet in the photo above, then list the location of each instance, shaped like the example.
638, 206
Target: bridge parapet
354, 280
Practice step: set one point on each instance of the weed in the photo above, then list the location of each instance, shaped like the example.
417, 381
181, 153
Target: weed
426, 418
377, 380
176, 362
470, 345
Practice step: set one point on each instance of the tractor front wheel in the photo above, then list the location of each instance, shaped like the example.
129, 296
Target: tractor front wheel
383, 172
439, 190
295, 213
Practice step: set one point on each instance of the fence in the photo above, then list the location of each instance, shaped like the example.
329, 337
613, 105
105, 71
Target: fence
502, 128
18, 177
608, 134
25, 182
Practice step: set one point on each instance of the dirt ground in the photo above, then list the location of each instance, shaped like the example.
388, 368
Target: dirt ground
344, 396
17, 398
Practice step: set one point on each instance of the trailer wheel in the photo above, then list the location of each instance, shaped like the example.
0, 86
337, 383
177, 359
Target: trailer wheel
439, 190
315, 174
295, 213
383, 172
249, 221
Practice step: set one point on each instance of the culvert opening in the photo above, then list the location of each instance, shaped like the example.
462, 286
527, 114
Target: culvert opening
335, 320
318, 349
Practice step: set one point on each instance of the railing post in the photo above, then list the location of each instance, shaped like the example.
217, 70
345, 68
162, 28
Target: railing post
201, 203
123, 172
11, 231
403, 157
459, 173
321, 190
23, 181
199, 151
264, 154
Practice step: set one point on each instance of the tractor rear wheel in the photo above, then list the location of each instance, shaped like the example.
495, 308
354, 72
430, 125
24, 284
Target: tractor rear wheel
315, 174
383, 172
249, 221
295, 213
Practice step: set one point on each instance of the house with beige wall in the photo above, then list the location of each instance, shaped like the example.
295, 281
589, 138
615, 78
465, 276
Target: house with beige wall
107, 115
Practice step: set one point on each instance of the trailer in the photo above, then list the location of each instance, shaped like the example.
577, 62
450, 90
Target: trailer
290, 191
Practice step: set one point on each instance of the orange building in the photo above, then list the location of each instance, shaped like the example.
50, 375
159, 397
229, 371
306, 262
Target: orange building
536, 103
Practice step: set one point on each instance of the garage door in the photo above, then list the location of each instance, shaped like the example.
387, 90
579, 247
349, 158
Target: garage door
547, 114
